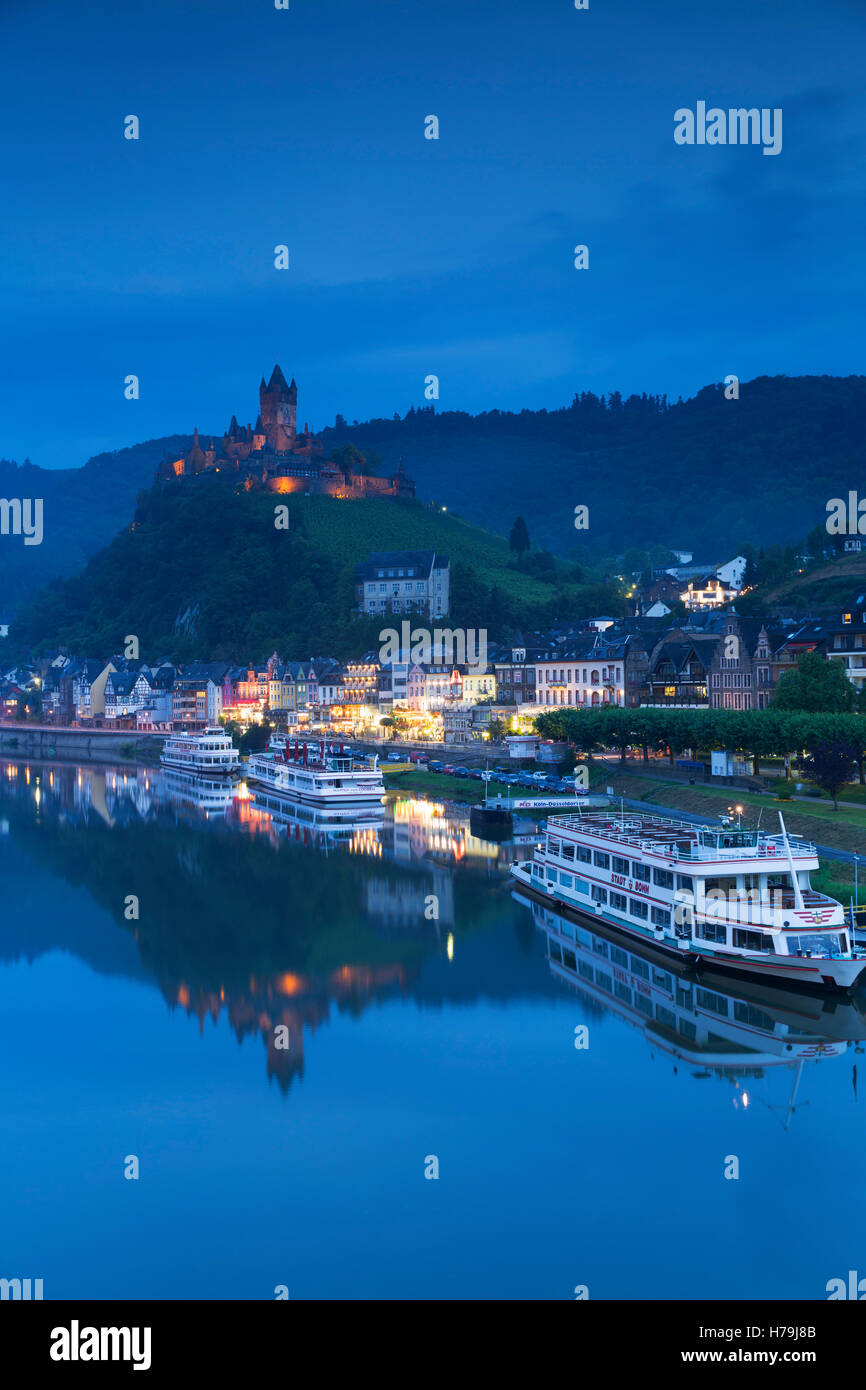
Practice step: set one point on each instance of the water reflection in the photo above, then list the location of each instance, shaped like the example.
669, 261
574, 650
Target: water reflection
731, 1031
252, 908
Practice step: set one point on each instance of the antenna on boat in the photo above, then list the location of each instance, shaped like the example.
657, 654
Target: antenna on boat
798, 892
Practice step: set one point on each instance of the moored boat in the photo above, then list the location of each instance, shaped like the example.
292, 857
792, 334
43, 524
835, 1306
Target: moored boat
211, 751
316, 772
731, 899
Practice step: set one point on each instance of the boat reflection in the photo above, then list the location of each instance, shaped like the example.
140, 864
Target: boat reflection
697, 1016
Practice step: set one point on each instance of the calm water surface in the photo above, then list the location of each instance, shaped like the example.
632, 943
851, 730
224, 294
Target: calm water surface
408, 1037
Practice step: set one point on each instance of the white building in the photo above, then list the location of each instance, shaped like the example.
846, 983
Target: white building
404, 581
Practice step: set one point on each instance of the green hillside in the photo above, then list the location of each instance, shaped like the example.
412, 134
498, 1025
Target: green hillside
204, 572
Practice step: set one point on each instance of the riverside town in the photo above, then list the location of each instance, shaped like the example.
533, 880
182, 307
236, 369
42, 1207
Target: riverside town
432, 675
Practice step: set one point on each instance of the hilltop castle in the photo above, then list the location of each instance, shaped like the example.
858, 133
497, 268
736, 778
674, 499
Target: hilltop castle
272, 453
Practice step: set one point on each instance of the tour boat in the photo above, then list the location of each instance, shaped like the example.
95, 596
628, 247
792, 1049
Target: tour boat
729, 1028
211, 751
315, 772
731, 899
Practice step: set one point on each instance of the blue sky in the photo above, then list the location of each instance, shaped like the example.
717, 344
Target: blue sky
411, 256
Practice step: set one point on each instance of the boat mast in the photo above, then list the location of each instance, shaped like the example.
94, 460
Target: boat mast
798, 892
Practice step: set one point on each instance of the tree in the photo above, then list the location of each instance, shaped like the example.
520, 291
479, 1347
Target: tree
518, 538
497, 729
816, 685
831, 765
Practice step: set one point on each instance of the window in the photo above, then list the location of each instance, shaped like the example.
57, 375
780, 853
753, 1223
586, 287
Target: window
619, 902
599, 895
638, 909
751, 940
713, 931
640, 967
565, 880
683, 881
552, 846
620, 866
618, 956
601, 861
644, 1004
584, 855
600, 945
640, 871
567, 850
663, 878
660, 917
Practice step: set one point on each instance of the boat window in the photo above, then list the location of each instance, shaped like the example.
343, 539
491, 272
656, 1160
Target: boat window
638, 908
725, 884
565, 880
619, 866
601, 860
827, 943
645, 1005
684, 881
661, 917
663, 878
662, 978
581, 886
622, 992
666, 1016
568, 958
585, 969
619, 901
567, 850
640, 871
552, 846
713, 931
752, 940
640, 967
604, 980
583, 854
599, 895
555, 950
618, 956
600, 945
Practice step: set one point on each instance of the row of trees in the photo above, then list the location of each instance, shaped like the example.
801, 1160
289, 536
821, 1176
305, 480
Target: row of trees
755, 734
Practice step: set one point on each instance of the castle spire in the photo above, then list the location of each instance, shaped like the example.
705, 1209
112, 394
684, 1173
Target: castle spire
278, 380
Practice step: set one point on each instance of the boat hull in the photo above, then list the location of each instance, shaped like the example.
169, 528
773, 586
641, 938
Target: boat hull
794, 970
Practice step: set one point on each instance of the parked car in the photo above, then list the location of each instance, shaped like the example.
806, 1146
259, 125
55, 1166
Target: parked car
539, 778
461, 772
422, 758
435, 766
478, 774
396, 758
449, 768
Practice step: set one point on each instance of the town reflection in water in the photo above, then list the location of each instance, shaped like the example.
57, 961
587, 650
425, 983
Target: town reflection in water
338, 907
272, 913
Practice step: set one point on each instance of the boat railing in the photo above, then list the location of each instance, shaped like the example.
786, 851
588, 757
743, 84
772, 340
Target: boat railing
767, 846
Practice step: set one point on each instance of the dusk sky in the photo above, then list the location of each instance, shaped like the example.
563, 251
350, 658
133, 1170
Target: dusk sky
411, 256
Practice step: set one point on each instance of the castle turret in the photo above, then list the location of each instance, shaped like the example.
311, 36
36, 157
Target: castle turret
279, 406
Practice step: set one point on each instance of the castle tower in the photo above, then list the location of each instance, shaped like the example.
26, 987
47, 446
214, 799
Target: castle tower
278, 403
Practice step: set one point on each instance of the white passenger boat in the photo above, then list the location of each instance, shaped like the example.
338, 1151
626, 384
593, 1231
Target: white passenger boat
316, 772
735, 900
211, 751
